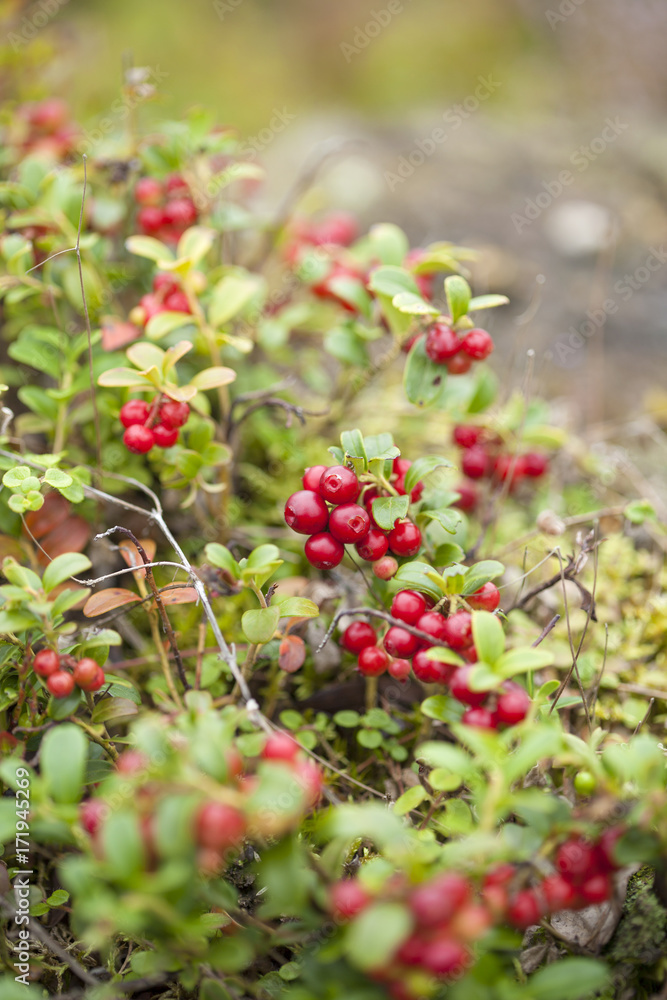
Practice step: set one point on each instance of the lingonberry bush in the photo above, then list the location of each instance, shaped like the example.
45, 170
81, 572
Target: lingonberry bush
301, 688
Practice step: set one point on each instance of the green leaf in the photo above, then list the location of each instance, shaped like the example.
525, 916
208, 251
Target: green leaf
522, 660
146, 246
481, 573
569, 979
221, 557
458, 295
375, 935
123, 843
423, 467
261, 564
487, 302
260, 624
413, 305
63, 567
295, 607
444, 655
387, 510
213, 378
423, 379
488, 635
352, 443
483, 678
447, 517
57, 478
166, 322
230, 296
114, 710
14, 478
389, 243
391, 281
639, 511
409, 800
413, 576
195, 243
347, 718
370, 738
63, 762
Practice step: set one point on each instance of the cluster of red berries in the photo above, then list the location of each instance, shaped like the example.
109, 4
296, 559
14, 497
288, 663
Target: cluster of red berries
349, 518
483, 456
447, 918
455, 350
47, 128
583, 877
86, 674
152, 423
166, 207
400, 650
219, 825
167, 296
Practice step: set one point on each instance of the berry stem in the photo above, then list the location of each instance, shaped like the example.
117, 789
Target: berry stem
371, 692
106, 744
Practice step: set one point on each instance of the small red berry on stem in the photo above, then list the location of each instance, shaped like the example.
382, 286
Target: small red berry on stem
480, 717
323, 551
148, 191
478, 344
459, 630
339, 485
409, 606
306, 513
459, 364
442, 343
373, 546
138, 439
219, 826
349, 523
513, 704
400, 643
357, 636
373, 661
405, 539
85, 673
487, 598
385, 568
460, 686
174, 413
475, 462
165, 437
46, 662
311, 477
399, 669
60, 684
135, 411
466, 435
280, 746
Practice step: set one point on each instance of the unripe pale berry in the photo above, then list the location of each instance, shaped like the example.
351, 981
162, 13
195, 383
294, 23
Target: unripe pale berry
385, 568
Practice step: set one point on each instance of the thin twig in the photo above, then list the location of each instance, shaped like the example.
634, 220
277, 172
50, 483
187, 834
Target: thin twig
545, 631
373, 613
93, 395
645, 719
43, 935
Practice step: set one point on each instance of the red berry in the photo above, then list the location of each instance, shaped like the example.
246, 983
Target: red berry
399, 642
400, 466
475, 462
98, 681
442, 343
534, 464
60, 684
460, 686
85, 673
323, 551
148, 191
480, 717
405, 539
174, 414
459, 364
176, 184
478, 344
165, 282
466, 435
439, 899
339, 485
46, 662
399, 669
152, 306
431, 671
487, 598
357, 636
219, 826
501, 874
138, 439
433, 624
607, 847
280, 746
415, 492
445, 957
177, 302
134, 412
596, 889
306, 513
385, 568
348, 898
373, 661
409, 606
509, 467
525, 909
349, 522
165, 436
576, 860
311, 477
132, 762
91, 814
513, 705
373, 546
558, 893
411, 951
459, 630
180, 212
468, 496
48, 115
150, 219
339, 229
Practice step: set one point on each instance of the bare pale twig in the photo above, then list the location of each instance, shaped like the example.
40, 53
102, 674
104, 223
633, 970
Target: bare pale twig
43, 935
93, 397
546, 630
385, 616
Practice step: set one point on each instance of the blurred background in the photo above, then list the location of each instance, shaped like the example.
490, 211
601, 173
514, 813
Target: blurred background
533, 130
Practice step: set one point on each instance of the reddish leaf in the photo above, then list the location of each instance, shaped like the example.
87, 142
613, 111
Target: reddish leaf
53, 512
292, 654
130, 553
116, 333
71, 535
179, 595
107, 600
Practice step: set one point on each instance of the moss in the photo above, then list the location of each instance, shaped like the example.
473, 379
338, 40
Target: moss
638, 950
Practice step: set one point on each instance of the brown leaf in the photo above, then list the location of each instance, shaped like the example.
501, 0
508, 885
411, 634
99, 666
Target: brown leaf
292, 654
71, 535
107, 600
130, 553
53, 512
179, 595
116, 333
